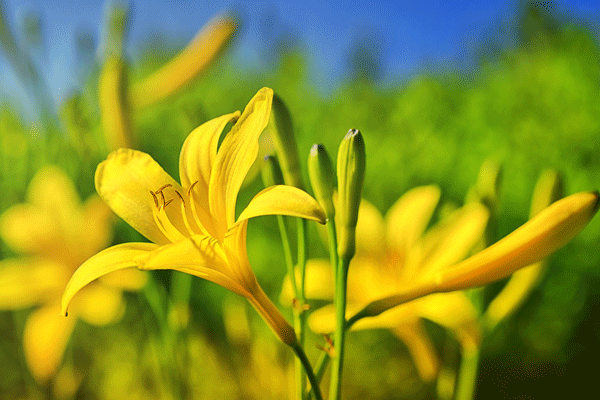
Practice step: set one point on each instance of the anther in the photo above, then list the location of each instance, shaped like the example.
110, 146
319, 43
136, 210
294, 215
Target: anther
191, 187
155, 199
167, 203
180, 197
163, 187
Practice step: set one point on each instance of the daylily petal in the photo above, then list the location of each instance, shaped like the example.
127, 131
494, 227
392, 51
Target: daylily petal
421, 348
370, 230
26, 282
236, 155
535, 240
455, 240
198, 155
189, 63
52, 190
29, 229
200, 256
520, 284
124, 181
318, 284
453, 311
126, 279
284, 200
45, 338
234, 246
112, 259
408, 217
99, 305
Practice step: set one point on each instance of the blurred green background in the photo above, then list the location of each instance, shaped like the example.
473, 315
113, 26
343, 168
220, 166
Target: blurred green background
529, 103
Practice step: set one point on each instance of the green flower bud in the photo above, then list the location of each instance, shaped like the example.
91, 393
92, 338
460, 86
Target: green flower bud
271, 172
351, 174
322, 180
282, 132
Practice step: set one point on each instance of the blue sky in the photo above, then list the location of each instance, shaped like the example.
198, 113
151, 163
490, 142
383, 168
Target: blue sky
411, 32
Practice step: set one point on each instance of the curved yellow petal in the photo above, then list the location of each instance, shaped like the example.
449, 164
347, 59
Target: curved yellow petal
98, 305
535, 240
284, 200
45, 338
112, 259
124, 181
520, 284
185, 66
200, 256
27, 282
456, 238
408, 217
420, 347
235, 157
130, 279
198, 155
370, 230
453, 311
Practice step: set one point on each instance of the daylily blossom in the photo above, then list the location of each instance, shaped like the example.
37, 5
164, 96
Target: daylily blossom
192, 225
56, 233
392, 252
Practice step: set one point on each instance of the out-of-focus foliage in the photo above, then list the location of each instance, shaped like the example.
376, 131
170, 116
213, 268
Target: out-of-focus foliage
530, 105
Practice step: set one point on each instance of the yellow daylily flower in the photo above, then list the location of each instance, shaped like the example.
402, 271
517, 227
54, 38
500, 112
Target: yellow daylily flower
193, 226
391, 253
535, 240
53, 232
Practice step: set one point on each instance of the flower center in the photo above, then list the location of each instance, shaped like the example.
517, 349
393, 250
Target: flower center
176, 226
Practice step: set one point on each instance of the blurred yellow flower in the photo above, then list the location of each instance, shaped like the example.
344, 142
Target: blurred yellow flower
56, 233
197, 234
393, 252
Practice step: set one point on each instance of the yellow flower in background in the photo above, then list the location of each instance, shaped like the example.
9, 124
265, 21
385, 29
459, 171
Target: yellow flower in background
193, 226
393, 252
55, 232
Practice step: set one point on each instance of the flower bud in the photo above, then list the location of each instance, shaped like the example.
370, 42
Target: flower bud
282, 132
271, 172
322, 180
114, 107
351, 173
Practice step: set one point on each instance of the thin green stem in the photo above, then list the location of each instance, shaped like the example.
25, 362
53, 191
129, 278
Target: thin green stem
287, 251
335, 387
467, 374
333, 255
299, 314
308, 369
320, 368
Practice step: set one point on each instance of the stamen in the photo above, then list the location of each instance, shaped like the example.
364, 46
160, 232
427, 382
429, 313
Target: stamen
155, 199
184, 214
163, 187
162, 195
166, 227
191, 187
180, 197
167, 203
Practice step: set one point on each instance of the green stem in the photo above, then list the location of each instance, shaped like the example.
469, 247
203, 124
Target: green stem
299, 314
308, 369
320, 368
467, 374
335, 387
